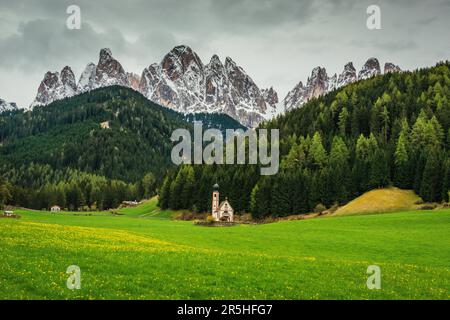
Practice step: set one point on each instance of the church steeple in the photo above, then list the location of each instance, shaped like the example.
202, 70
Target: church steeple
215, 201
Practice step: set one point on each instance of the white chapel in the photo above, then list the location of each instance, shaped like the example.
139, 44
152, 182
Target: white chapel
221, 211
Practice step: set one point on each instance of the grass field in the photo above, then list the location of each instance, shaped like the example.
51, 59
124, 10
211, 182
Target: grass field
144, 255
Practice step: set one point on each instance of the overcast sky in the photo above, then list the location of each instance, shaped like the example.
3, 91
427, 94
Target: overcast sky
276, 42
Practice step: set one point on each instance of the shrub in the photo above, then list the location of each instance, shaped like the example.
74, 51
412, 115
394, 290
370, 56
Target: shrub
247, 217
428, 207
334, 208
319, 208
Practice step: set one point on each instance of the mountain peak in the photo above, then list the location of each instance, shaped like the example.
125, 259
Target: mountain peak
7, 106
109, 71
215, 61
69, 85
87, 78
370, 69
50, 89
105, 54
68, 77
390, 67
229, 63
181, 49
180, 60
349, 67
347, 76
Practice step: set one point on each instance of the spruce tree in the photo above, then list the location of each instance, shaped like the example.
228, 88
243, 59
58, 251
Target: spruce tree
430, 187
402, 160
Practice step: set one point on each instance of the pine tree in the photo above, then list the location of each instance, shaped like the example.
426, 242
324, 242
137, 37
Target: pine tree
261, 199
187, 191
149, 185
430, 188
343, 121
445, 193
176, 186
402, 160
379, 169
281, 195
339, 171
164, 194
5, 192
317, 152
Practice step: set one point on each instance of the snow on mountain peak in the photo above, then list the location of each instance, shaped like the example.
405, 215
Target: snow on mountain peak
52, 88
69, 86
87, 78
390, 67
370, 69
347, 76
7, 106
109, 71
215, 63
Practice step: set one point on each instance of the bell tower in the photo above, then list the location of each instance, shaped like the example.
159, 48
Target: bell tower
215, 202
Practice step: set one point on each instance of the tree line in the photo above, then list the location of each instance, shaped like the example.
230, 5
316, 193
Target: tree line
40, 187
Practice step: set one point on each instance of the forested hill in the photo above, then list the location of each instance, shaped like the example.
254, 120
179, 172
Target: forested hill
387, 130
108, 134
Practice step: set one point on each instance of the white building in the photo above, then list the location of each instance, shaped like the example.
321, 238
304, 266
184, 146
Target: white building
8, 213
55, 209
221, 211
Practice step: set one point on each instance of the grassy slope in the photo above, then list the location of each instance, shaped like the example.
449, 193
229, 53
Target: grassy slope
381, 200
148, 209
155, 258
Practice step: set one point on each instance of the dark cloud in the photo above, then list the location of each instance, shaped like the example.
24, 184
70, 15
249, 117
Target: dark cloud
46, 43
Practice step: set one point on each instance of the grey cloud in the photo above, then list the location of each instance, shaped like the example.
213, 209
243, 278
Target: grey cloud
390, 46
393, 46
41, 44
426, 21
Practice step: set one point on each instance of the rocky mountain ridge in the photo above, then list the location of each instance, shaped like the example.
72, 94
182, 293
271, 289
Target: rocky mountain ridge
182, 82
319, 83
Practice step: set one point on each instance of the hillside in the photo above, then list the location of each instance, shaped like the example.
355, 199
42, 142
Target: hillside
113, 136
387, 130
381, 200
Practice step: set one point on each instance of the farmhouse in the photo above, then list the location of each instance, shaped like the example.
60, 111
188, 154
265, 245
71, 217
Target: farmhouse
55, 209
221, 211
105, 125
130, 203
8, 213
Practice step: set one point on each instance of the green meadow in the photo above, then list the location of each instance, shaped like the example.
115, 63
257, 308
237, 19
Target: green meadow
143, 254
